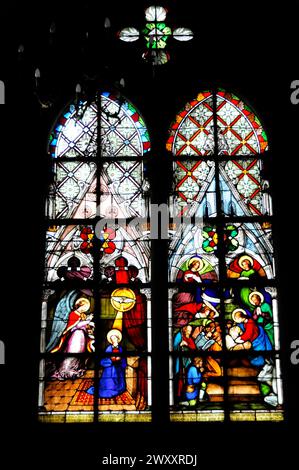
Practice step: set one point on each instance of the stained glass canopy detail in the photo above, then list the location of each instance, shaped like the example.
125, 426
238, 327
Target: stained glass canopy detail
239, 130
123, 131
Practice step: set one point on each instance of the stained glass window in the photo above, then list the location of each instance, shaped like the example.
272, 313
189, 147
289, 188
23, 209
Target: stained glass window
156, 34
96, 310
223, 324
223, 309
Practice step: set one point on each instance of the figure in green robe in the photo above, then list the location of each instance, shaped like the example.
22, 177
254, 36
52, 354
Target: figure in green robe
261, 310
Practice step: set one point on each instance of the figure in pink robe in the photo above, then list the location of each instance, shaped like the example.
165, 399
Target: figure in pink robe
76, 337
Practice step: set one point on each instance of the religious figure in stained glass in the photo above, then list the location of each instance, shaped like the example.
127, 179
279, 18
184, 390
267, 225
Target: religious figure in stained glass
245, 267
213, 183
192, 260
196, 384
72, 332
196, 269
262, 313
251, 325
112, 381
205, 320
195, 389
68, 331
94, 301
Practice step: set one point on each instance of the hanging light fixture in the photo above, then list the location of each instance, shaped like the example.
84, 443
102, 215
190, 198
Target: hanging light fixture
37, 77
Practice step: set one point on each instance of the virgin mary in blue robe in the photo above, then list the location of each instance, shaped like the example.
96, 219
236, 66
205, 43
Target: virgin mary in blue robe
112, 381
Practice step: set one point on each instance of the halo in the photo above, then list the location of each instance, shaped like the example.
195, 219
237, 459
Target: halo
243, 258
83, 300
259, 294
114, 332
196, 258
236, 314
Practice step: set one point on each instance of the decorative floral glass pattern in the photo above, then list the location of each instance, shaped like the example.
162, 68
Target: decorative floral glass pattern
156, 34
123, 131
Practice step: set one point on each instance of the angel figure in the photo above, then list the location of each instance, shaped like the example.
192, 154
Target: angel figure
245, 267
195, 265
72, 332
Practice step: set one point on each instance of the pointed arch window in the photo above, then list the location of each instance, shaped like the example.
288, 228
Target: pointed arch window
96, 317
223, 315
